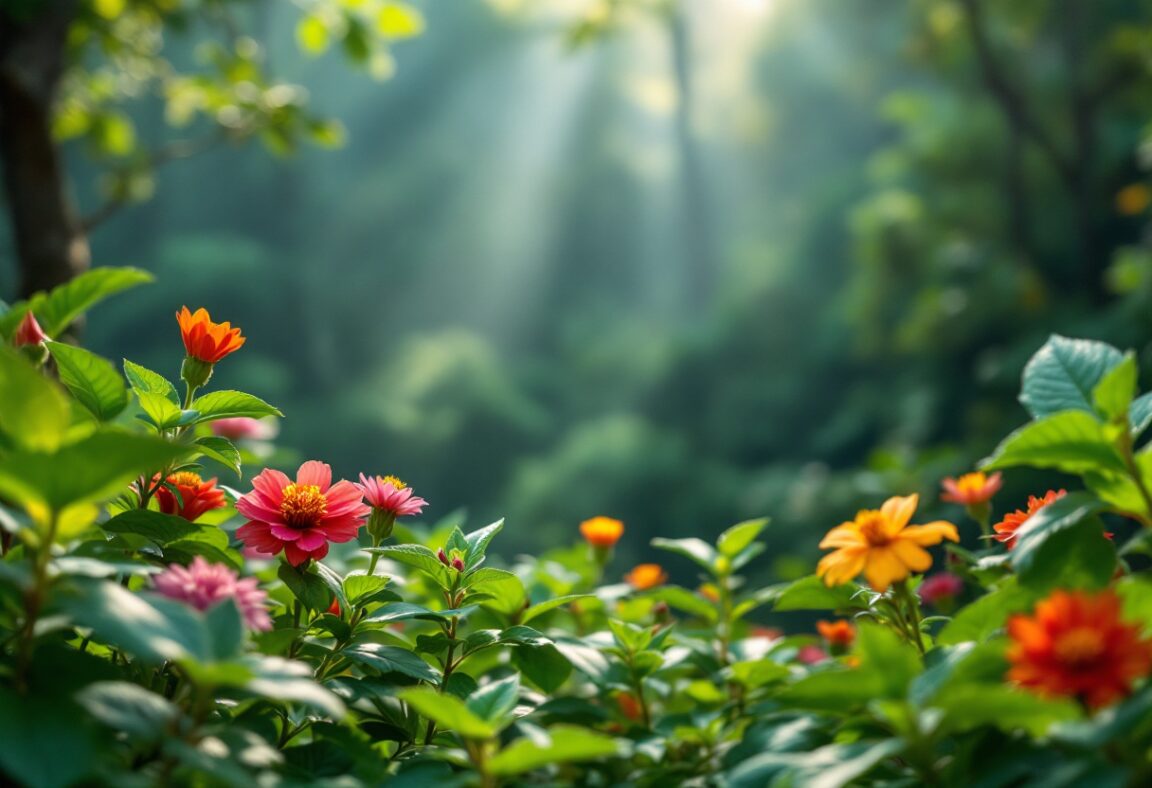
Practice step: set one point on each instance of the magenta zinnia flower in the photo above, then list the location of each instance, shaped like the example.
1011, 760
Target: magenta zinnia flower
300, 517
392, 495
201, 585
941, 587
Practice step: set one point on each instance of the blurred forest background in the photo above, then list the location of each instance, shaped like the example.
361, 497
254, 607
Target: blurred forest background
681, 262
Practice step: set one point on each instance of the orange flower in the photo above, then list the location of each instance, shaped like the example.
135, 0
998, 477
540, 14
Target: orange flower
837, 633
603, 532
629, 706
196, 496
1076, 646
971, 489
882, 545
204, 340
645, 576
1006, 528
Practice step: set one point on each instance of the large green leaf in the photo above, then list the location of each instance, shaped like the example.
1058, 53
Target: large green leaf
544, 666
308, 587
152, 630
563, 744
129, 708
979, 620
417, 556
392, 659
1063, 544
46, 742
1072, 441
98, 467
477, 542
159, 527
968, 706
221, 450
448, 712
57, 309
93, 381
1063, 374
231, 404
145, 381
495, 700
1114, 393
34, 411
739, 536
831, 766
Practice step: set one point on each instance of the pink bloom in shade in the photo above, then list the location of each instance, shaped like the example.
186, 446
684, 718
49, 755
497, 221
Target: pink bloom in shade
811, 654
391, 495
244, 428
941, 586
28, 332
202, 585
300, 517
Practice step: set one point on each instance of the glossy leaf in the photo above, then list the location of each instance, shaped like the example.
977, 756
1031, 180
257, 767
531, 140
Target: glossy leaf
1063, 374
93, 381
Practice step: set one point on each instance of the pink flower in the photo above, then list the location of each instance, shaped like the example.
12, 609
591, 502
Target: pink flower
811, 654
941, 587
300, 517
202, 585
391, 495
28, 332
244, 428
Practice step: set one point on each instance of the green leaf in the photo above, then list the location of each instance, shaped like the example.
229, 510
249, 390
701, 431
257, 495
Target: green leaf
159, 527
311, 590
401, 611
145, 381
333, 580
540, 608
563, 744
36, 731
448, 712
831, 766
890, 656
1063, 544
152, 629
225, 629
1136, 593
810, 593
544, 666
281, 680
834, 690
1113, 395
417, 556
221, 450
759, 672
92, 380
979, 620
129, 708
1140, 414
968, 706
391, 659
163, 413
524, 636
629, 637
360, 589
500, 590
34, 411
1064, 373
683, 599
95, 468
692, 548
57, 309
231, 404
739, 536
1070, 441
479, 540
495, 700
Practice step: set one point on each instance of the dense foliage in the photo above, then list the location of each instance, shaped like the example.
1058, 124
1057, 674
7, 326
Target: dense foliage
163, 628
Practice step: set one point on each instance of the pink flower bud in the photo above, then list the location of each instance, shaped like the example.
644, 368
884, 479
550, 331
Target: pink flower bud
28, 332
457, 564
442, 556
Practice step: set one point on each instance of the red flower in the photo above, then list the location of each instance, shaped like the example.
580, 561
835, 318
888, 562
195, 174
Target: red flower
811, 654
196, 495
28, 332
391, 495
1006, 528
204, 340
940, 587
300, 517
1077, 646
837, 633
971, 489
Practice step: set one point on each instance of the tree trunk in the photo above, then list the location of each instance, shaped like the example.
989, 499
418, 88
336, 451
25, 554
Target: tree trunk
51, 246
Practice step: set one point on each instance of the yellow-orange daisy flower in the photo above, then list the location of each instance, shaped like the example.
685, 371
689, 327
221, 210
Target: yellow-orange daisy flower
971, 489
602, 531
1076, 645
881, 544
645, 576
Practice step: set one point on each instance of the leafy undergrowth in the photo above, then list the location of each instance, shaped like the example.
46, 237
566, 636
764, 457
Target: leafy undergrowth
161, 628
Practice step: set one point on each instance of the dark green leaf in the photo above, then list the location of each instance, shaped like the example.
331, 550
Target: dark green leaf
495, 700
391, 659
311, 591
221, 450
1063, 374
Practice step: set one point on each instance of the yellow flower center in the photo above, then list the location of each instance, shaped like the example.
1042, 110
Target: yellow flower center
1079, 647
971, 482
185, 479
396, 483
873, 525
303, 505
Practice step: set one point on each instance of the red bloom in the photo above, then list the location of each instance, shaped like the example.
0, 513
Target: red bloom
196, 496
1006, 528
28, 332
971, 489
941, 586
204, 340
391, 495
1075, 645
837, 633
811, 654
300, 517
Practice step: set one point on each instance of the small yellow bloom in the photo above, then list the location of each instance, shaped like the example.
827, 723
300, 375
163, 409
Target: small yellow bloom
882, 545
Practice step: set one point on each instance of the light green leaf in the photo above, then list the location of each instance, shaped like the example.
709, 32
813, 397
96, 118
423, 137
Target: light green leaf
1063, 544
34, 411
810, 593
448, 712
1113, 395
401, 611
739, 536
92, 380
151, 629
1063, 374
145, 381
361, 588
1072, 441
979, 620
221, 450
231, 404
968, 706
695, 549
56, 309
540, 608
564, 744
495, 700
479, 540
683, 599
163, 413
417, 556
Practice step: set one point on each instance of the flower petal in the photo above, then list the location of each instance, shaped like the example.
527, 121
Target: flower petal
315, 472
898, 511
931, 533
884, 568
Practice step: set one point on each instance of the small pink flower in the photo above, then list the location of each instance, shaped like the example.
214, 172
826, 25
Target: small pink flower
300, 517
942, 586
811, 654
244, 428
202, 585
28, 332
391, 495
